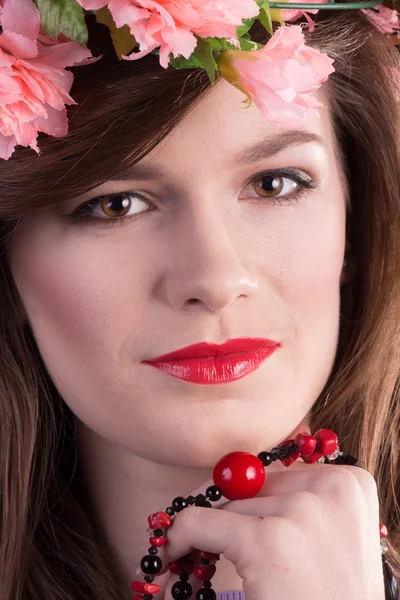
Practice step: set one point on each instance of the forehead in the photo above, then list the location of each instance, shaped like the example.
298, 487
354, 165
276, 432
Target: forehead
221, 128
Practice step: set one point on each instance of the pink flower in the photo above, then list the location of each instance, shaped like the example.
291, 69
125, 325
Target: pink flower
385, 19
289, 15
281, 77
34, 87
171, 25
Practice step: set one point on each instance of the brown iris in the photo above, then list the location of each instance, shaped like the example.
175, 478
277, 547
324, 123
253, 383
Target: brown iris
117, 206
269, 185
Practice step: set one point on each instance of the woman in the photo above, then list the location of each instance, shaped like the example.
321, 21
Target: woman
225, 225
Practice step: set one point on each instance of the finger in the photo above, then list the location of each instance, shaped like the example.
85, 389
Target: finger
334, 483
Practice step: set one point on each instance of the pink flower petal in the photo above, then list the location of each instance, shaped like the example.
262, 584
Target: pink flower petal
34, 82
56, 123
385, 19
289, 15
92, 4
125, 13
18, 45
172, 24
7, 146
64, 55
282, 77
22, 17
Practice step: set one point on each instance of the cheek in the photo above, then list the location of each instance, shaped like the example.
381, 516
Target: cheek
77, 301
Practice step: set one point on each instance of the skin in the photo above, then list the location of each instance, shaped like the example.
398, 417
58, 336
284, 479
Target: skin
211, 260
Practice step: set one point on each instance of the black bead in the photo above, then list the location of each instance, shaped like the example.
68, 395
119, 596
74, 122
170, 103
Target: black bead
153, 550
214, 493
149, 578
170, 511
205, 561
293, 447
391, 586
181, 590
274, 454
207, 584
206, 594
184, 577
201, 500
265, 458
346, 459
207, 504
284, 452
158, 533
147, 597
190, 500
151, 565
179, 503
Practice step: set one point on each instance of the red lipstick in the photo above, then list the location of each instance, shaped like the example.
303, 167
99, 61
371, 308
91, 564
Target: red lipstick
211, 364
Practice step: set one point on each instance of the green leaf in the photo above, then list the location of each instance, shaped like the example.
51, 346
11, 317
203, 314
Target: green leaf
185, 63
63, 16
124, 42
204, 51
242, 29
265, 17
246, 44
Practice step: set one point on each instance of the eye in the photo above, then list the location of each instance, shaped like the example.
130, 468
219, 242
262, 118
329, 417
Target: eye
285, 184
111, 208
269, 186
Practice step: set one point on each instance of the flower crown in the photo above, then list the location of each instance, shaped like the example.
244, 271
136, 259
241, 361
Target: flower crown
40, 39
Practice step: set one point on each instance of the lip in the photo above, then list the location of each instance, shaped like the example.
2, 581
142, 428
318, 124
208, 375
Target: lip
211, 364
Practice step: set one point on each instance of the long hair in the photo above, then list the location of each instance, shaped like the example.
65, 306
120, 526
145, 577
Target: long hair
51, 547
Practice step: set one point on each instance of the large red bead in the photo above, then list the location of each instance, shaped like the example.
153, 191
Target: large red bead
145, 588
240, 475
327, 441
205, 573
159, 520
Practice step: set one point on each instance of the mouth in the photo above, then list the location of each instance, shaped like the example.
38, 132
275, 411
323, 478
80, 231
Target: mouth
212, 364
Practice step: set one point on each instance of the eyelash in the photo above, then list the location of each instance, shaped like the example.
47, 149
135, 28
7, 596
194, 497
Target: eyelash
82, 213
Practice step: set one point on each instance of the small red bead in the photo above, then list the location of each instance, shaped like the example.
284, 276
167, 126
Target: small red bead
240, 475
158, 542
159, 520
383, 532
294, 456
315, 456
205, 573
209, 555
327, 441
145, 588
306, 443
181, 566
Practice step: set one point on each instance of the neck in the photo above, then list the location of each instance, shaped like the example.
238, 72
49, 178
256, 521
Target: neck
122, 489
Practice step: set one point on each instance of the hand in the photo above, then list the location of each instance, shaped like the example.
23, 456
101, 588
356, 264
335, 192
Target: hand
319, 540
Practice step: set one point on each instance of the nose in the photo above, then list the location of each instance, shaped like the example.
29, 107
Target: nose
207, 269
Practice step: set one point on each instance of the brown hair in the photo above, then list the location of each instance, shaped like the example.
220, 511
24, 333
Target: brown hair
50, 546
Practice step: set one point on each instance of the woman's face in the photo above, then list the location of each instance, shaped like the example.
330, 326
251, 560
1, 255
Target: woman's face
215, 247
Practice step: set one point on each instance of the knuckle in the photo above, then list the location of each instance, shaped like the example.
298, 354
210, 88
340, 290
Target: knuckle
339, 484
301, 506
187, 520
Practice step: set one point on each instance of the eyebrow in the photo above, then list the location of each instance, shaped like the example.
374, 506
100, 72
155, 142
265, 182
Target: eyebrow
273, 145
259, 151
